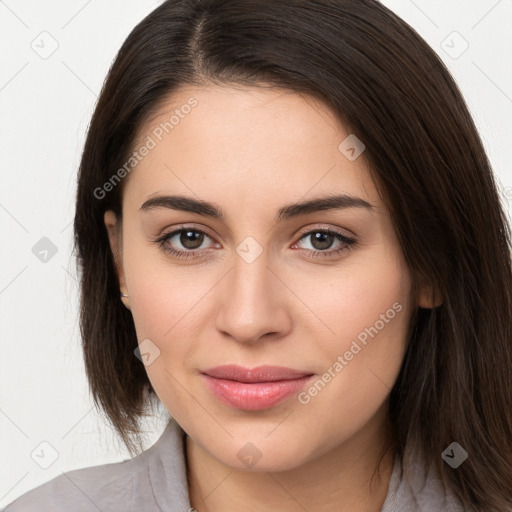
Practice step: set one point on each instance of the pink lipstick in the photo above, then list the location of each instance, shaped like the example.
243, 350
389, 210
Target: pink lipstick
254, 389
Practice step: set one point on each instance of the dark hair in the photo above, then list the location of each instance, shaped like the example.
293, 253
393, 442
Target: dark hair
390, 88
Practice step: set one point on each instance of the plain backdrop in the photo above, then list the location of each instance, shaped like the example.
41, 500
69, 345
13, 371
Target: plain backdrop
54, 58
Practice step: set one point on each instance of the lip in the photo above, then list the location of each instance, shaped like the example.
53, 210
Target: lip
254, 389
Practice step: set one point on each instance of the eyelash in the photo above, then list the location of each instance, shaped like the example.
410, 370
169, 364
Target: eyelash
191, 254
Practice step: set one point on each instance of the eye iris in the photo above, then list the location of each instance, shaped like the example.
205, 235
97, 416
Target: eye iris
323, 239
189, 239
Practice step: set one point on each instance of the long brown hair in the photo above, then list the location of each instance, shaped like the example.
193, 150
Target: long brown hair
389, 87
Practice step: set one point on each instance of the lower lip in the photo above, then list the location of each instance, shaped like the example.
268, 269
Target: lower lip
254, 396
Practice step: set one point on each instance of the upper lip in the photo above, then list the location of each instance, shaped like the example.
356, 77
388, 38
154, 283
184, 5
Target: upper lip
258, 374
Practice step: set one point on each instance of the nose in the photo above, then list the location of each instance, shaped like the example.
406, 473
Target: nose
254, 302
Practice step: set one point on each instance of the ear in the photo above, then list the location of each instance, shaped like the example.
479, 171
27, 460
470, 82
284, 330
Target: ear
429, 297
114, 235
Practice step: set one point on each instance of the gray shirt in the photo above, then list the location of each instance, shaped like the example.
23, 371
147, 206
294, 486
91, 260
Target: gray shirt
156, 480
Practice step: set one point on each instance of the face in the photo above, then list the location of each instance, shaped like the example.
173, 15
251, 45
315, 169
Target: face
324, 291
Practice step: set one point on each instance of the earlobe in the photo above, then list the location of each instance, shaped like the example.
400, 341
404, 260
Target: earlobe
429, 297
114, 236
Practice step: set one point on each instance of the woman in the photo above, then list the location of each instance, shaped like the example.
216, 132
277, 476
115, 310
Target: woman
288, 231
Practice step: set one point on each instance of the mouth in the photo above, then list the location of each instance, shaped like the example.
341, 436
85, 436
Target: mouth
254, 389
259, 374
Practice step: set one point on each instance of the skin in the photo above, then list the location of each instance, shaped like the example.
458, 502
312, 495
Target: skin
252, 151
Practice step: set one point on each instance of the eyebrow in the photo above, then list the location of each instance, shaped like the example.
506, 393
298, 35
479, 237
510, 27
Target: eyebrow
200, 207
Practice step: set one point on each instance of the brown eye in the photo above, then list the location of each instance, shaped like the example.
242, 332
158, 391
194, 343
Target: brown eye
185, 242
321, 240
191, 239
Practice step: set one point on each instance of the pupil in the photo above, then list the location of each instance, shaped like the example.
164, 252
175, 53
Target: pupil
189, 239
323, 239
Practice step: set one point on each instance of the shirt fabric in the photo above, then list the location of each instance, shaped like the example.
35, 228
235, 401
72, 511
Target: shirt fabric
156, 481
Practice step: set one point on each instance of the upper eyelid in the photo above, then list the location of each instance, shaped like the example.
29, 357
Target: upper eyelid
186, 227
342, 231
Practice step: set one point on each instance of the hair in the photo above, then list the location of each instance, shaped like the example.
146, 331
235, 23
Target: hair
384, 83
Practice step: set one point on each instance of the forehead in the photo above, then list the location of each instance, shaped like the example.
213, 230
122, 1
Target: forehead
247, 140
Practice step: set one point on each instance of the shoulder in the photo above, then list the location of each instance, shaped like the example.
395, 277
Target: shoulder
126, 485
93, 488
414, 488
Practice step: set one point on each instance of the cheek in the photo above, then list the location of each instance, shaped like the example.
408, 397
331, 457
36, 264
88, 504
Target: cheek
161, 293
171, 306
168, 310
357, 295
366, 308
165, 304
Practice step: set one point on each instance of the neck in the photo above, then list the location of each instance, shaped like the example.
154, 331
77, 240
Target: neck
338, 481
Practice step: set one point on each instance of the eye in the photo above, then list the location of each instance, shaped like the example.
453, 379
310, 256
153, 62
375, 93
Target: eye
322, 239
186, 242
190, 238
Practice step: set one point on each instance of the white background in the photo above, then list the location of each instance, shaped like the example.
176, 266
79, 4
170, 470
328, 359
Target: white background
46, 105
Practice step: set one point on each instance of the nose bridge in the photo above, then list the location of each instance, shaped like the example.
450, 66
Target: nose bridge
250, 277
251, 306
